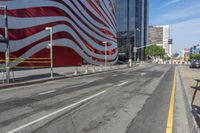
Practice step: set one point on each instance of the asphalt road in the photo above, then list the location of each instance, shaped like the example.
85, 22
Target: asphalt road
120, 101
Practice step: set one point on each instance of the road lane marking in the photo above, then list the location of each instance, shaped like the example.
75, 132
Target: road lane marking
47, 92
56, 112
114, 75
142, 74
169, 128
123, 83
90, 81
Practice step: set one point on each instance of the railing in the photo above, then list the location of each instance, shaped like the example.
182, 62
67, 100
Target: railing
23, 60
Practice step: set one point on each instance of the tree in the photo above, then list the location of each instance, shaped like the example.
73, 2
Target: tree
194, 56
155, 51
166, 57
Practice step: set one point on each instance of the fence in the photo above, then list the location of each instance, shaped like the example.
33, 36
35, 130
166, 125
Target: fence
30, 65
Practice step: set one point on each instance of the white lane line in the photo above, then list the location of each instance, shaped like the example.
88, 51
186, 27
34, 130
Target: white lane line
47, 92
56, 112
142, 74
123, 83
90, 81
114, 75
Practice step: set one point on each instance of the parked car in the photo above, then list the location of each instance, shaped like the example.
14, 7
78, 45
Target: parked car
195, 64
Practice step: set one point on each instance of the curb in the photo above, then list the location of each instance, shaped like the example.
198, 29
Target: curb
57, 78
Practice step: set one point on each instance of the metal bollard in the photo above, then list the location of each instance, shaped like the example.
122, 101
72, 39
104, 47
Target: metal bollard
76, 71
93, 69
101, 68
3, 77
13, 75
86, 70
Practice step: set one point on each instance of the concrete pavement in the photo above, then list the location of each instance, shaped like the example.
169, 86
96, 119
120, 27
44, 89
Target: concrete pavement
30, 76
118, 101
153, 117
104, 102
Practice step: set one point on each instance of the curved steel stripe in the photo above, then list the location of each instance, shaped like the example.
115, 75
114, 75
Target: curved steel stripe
27, 23
58, 12
40, 30
83, 26
99, 7
26, 5
105, 6
16, 44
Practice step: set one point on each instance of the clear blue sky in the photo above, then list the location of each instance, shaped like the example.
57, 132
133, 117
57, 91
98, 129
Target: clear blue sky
183, 16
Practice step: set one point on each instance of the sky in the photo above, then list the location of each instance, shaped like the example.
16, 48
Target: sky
183, 16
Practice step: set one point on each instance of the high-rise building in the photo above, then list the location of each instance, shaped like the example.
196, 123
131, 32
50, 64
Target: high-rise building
160, 35
132, 25
155, 35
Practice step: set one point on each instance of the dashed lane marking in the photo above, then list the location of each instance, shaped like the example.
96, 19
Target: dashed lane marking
55, 113
123, 83
47, 92
90, 81
143, 74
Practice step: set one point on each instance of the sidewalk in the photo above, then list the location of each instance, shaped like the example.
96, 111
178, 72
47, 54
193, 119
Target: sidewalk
42, 75
191, 81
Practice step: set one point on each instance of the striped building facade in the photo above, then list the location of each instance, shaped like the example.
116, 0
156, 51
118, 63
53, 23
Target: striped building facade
79, 29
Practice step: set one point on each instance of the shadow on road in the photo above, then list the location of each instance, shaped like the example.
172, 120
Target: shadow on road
196, 113
196, 108
33, 77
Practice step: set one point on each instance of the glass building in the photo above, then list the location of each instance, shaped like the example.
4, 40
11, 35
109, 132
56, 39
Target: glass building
132, 25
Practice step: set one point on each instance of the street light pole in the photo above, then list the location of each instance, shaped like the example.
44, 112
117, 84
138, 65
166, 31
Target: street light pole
135, 44
50, 29
105, 46
128, 30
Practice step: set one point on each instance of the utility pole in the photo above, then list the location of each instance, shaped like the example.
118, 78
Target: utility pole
7, 47
105, 50
50, 29
128, 34
135, 44
6, 40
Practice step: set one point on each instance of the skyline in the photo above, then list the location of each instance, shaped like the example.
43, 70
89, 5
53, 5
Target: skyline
183, 17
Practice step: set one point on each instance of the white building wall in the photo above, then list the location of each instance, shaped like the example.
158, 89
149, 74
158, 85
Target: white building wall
166, 36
